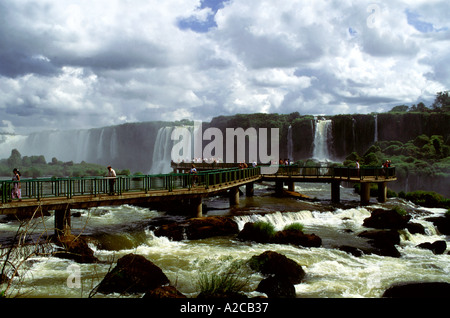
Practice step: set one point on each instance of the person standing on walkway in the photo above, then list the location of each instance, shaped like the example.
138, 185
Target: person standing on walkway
111, 180
16, 192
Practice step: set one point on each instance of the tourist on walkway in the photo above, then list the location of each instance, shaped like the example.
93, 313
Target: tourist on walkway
16, 192
112, 180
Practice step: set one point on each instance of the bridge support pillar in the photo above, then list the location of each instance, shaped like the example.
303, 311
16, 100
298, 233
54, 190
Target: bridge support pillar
291, 185
279, 188
365, 193
62, 222
336, 191
234, 196
249, 189
196, 207
382, 192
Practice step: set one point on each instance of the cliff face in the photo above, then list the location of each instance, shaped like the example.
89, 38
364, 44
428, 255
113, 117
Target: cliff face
132, 146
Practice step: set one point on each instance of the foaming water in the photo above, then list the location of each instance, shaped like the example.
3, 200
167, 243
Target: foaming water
330, 272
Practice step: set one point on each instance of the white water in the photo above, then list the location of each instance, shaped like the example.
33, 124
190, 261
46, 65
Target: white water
329, 271
321, 151
162, 151
290, 144
375, 138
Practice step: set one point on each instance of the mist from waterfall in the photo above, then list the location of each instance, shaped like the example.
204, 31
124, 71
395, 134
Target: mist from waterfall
322, 131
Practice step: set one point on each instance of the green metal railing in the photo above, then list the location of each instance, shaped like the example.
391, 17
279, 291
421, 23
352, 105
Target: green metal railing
337, 172
70, 187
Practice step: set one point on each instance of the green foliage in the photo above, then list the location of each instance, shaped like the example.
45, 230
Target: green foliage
226, 282
427, 198
294, 227
400, 211
265, 229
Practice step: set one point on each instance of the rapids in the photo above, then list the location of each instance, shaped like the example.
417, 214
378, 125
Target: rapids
330, 272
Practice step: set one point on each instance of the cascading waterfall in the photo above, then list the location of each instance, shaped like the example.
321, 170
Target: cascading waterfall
321, 151
375, 137
290, 144
162, 151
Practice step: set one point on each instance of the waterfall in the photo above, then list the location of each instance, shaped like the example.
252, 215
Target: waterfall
321, 151
290, 144
354, 133
162, 151
375, 137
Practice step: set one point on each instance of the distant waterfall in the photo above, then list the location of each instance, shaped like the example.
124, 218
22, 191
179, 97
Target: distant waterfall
321, 152
162, 151
375, 137
290, 144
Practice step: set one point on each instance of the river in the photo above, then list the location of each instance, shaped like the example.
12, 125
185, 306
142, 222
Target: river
330, 272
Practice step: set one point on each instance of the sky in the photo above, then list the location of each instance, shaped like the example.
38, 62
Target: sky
82, 64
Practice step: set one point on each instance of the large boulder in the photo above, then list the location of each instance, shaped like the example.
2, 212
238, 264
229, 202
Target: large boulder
253, 232
276, 287
437, 247
198, 228
418, 290
275, 264
132, 274
75, 248
383, 241
386, 219
442, 223
297, 237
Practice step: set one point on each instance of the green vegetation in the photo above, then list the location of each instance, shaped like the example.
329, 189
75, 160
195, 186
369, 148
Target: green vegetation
426, 198
294, 227
227, 282
265, 229
36, 166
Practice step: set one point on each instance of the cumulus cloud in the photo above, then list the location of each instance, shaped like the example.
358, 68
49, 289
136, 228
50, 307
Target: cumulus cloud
80, 64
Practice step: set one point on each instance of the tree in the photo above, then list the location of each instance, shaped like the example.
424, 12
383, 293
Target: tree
399, 109
15, 160
442, 101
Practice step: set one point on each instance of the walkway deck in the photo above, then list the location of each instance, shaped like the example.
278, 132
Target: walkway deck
63, 194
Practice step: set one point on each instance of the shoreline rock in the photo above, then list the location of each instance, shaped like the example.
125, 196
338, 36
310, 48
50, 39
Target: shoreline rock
75, 248
133, 274
281, 273
250, 232
198, 228
418, 290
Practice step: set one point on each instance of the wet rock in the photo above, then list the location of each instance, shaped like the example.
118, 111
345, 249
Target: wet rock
384, 241
437, 247
386, 219
198, 228
415, 228
296, 237
351, 250
252, 232
163, 292
442, 223
133, 274
418, 290
275, 264
75, 248
276, 287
